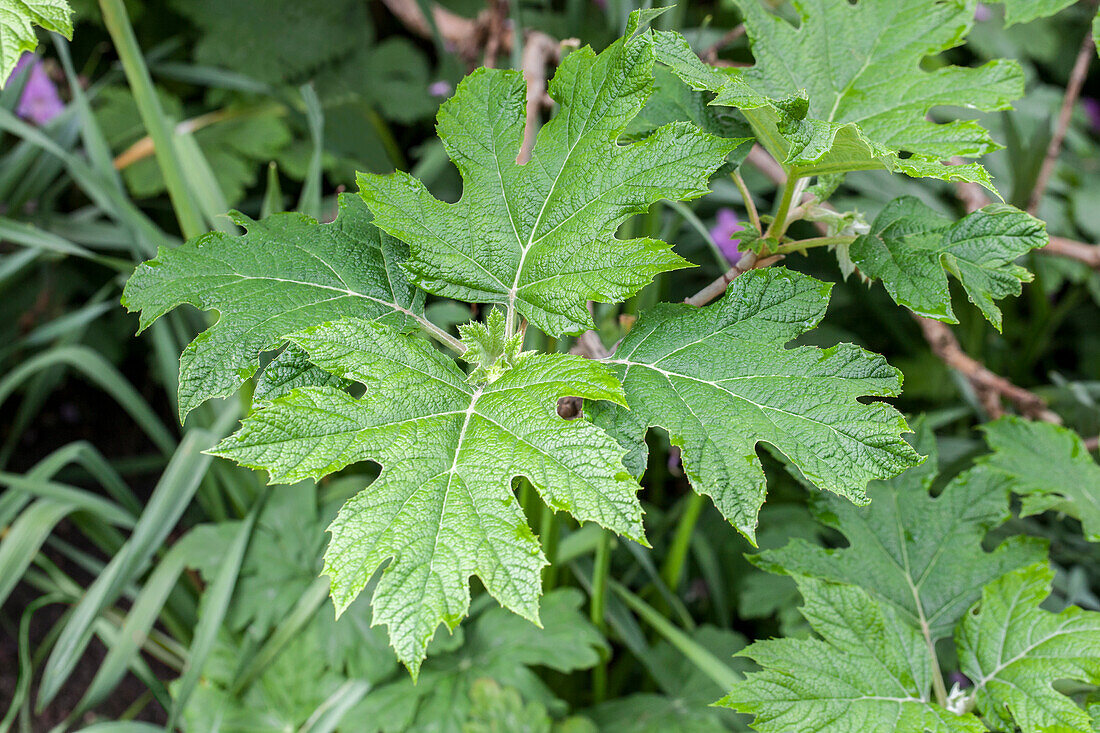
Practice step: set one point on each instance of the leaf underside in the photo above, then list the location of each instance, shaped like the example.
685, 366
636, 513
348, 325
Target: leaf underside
1048, 466
17, 21
911, 249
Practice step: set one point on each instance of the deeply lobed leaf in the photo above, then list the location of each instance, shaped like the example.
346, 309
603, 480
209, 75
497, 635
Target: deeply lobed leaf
719, 380
540, 237
911, 248
844, 89
1049, 466
442, 508
918, 554
17, 21
1013, 651
286, 273
869, 671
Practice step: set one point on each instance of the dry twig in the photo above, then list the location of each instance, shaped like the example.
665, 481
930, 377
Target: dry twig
990, 387
538, 51
1073, 91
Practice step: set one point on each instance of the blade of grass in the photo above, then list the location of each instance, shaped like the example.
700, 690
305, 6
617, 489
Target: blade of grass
173, 493
248, 670
152, 116
135, 630
101, 373
23, 540
329, 714
78, 499
710, 665
102, 192
26, 667
215, 604
310, 201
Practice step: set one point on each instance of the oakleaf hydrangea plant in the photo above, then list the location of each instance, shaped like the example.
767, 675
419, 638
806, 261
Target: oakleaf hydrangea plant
329, 323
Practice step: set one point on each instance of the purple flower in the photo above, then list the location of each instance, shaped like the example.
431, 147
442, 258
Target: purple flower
726, 224
40, 101
982, 13
1092, 111
439, 88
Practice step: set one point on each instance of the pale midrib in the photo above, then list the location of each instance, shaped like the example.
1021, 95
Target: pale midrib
450, 472
319, 286
546, 202
716, 385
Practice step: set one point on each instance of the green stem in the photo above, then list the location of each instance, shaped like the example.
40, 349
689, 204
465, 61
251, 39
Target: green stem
597, 609
804, 244
673, 569
746, 198
439, 334
152, 116
779, 225
689, 216
549, 534
701, 657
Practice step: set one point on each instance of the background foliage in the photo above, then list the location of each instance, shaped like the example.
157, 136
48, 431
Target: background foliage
145, 583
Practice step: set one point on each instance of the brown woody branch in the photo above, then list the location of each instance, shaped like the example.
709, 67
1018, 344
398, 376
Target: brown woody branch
1069, 100
467, 36
989, 387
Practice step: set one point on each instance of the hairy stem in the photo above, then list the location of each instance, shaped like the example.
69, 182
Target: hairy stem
439, 334
746, 198
805, 244
792, 189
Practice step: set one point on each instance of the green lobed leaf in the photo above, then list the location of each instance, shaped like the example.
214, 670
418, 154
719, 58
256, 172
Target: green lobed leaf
869, 671
442, 508
497, 646
911, 248
674, 101
540, 237
719, 380
1025, 11
286, 273
920, 555
1013, 651
845, 90
17, 21
1049, 466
